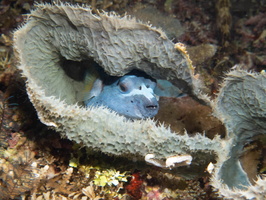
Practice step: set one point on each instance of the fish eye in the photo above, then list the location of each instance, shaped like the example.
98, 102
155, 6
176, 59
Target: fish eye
140, 87
148, 86
123, 87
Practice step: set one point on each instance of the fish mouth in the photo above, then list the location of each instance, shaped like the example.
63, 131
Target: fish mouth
141, 107
144, 110
152, 107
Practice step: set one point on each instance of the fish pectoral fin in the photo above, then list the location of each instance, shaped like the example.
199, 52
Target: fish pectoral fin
97, 88
95, 91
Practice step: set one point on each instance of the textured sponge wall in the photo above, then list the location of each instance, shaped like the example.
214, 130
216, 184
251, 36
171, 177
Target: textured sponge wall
118, 45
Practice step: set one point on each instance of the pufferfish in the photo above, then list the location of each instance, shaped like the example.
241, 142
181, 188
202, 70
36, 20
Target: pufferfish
131, 95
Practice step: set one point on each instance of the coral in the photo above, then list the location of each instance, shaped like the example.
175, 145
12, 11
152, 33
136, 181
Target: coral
9, 124
11, 12
5, 61
134, 189
154, 194
6, 56
241, 107
89, 192
105, 184
224, 19
179, 189
196, 23
57, 33
258, 21
19, 172
109, 177
250, 34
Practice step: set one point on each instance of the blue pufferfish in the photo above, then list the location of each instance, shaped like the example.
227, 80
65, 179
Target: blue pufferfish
131, 95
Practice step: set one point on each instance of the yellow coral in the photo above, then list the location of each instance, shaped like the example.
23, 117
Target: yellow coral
109, 177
